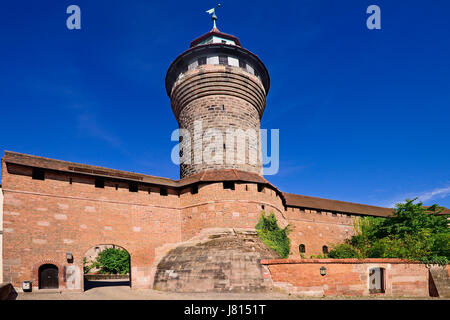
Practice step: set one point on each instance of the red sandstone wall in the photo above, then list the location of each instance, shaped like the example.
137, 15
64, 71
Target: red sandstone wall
316, 230
347, 277
45, 219
214, 206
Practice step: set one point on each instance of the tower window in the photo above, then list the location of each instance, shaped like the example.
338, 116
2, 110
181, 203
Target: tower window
228, 185
117, 186
70, 180
302, 248
99, 183
242, 64
201, 61
38, 174
133, 187
163, 192
194, 189
260, 187
325, 249
319, 212
223, 41
223, 60
256, 73
334, 214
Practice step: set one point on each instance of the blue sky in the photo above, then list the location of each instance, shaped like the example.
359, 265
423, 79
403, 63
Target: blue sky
363, 114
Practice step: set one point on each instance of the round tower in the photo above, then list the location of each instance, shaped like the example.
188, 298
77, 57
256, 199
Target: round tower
218, 86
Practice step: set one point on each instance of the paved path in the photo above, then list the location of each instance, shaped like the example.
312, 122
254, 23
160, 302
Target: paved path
113, 290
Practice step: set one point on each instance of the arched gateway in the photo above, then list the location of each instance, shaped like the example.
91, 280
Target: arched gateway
106, 265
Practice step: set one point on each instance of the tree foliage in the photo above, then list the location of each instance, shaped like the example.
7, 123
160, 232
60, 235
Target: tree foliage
273, 236
413, 232
114, 261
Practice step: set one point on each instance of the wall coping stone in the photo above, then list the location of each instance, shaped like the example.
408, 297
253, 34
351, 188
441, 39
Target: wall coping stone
337, 261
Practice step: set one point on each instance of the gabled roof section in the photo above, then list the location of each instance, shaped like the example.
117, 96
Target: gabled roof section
214, 33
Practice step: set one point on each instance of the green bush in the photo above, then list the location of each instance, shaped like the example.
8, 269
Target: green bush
413, 232
343, 251
115, 261
273, 236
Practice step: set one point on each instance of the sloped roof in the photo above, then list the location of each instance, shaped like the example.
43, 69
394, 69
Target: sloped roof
289, 199
296, 200
215, 32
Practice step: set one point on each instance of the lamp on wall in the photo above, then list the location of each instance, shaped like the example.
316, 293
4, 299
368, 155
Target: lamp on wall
323, 271
27, 286
69, 256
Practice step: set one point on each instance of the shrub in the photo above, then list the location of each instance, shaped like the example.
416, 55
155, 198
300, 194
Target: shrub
343, 251
273, 236
115, 261
413, 232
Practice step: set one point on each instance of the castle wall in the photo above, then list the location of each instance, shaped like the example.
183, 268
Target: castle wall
348, 277
315, 229
45, 219
215, 206
1, 235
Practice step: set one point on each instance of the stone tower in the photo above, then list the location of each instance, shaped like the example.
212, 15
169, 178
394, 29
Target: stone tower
217, 85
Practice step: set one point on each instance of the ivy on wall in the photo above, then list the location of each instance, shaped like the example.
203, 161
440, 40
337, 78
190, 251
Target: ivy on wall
273, 236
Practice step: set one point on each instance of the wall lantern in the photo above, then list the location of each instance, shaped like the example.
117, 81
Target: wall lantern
69, 256
27, 286
323, 271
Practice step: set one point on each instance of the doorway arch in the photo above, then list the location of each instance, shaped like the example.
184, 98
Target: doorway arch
48, 276
98, 273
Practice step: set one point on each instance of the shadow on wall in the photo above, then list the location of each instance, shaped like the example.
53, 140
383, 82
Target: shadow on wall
105, 283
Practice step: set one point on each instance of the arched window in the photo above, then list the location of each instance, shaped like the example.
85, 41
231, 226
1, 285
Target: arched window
302, 248
325, 250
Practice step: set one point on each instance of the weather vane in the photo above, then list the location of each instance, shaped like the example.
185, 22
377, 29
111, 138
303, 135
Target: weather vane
213, 17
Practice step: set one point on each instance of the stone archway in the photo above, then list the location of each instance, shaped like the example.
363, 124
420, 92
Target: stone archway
106, 271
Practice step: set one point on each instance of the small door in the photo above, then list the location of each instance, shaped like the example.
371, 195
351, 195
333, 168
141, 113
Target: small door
48, 277
376, 280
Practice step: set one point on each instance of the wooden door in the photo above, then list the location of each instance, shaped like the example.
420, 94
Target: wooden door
48, 277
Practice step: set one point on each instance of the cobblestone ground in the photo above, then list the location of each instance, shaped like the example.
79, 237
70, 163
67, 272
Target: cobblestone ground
120, 291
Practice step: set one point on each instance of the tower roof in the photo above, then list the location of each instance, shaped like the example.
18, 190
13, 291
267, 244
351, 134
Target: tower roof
216, 36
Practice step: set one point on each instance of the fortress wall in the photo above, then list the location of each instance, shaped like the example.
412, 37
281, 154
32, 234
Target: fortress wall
45, 219
214, 206
316, 229
348, 277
